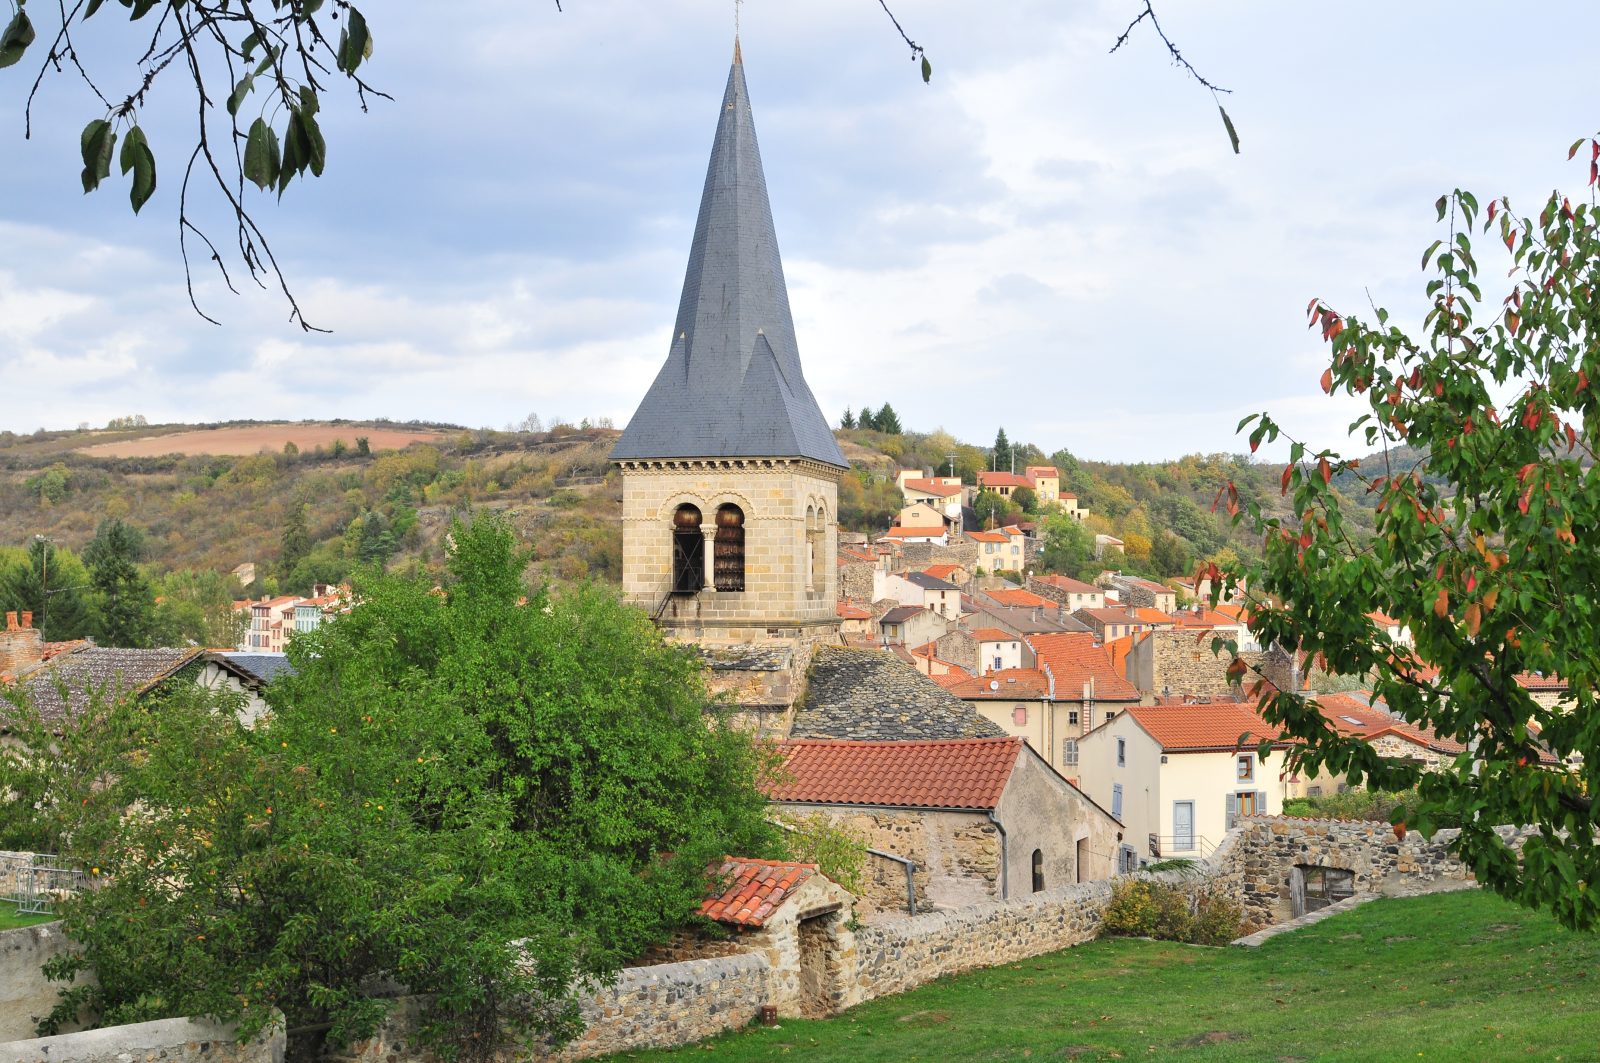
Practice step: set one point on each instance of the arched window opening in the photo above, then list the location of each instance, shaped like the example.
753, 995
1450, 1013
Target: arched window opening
688, 551
727, 563
816, 525
1038, 870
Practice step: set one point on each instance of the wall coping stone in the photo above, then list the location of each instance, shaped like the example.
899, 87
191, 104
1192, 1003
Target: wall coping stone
167, 1039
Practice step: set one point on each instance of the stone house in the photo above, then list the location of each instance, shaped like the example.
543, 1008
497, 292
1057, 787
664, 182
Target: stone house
949, 572
1071, 594
981, 819
799, 920
1137, 591
983, 649
857, 566
1179, 662
1178, 776
854, 619
1389, 735
1110, 622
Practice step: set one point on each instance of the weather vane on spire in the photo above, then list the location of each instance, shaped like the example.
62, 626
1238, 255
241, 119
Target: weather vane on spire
737, 4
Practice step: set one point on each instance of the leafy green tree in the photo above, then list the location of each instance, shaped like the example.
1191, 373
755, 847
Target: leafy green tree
196, 609
1025, 499
363, 446
51, 583
1495, 566
125, 603
49, 486
1068, 546
486, 799
1170, 555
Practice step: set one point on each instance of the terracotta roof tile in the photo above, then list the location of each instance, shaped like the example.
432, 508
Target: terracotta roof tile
993, 634
1070, 585
1074, 660
950, 773
929, 487
1022, 599
988, 537
1003, 479
755, 889
943, 572
1006, 684
1205, 727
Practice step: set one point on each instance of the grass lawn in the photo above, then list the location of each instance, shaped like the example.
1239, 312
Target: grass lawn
1455, 976
10, 918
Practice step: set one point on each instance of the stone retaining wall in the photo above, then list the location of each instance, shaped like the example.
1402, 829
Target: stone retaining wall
893, 957
25, 994
168, 1040
1255, 862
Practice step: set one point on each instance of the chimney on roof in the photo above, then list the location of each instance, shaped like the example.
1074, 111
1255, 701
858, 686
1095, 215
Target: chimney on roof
21, 646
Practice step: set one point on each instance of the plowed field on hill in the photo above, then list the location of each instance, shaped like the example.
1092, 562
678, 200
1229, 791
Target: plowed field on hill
253, 439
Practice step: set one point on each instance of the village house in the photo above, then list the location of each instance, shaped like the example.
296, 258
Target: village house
61, 680
911, 625
919, 589
1388, 735
983, 649
1107, 544
1395, 630
1071, 594
247, 674
1134, 590
1110, 623
980, 819
897, 534
855, 619
272, 621
1178, 777
1001, 550
950, 573
1088, 687
920, 515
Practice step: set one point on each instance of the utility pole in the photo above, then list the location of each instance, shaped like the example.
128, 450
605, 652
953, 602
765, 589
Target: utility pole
951, 458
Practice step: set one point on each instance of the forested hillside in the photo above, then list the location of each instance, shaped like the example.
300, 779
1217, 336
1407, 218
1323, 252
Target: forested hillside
313, 516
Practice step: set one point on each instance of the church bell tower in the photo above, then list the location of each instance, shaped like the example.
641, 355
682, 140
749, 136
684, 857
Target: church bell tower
730, 472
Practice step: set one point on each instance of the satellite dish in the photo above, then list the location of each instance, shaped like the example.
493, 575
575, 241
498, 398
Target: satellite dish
994, 684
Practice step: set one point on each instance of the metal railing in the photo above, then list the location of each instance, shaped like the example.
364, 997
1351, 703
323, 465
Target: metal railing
1166, 845
37, 882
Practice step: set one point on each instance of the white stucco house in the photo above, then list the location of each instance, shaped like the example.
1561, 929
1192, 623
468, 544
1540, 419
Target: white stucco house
1178, 777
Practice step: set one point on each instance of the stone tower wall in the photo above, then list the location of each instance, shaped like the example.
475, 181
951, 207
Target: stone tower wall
785, 594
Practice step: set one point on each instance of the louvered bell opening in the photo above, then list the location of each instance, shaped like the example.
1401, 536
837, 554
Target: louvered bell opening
727, 564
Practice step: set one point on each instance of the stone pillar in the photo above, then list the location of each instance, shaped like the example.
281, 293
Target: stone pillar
710, 557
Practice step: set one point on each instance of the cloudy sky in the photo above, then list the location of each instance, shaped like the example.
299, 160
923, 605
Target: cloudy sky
1047, 237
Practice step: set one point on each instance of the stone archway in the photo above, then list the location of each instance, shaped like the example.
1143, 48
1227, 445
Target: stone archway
822, 983
1313, 887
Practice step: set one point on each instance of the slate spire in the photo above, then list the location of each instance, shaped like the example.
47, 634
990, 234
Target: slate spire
732, 384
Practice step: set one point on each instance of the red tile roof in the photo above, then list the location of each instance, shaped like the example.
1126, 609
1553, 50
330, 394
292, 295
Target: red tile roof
1070, 585
993, 634
755, 889
1002, 479
1535, 681
1155, 617
944, 773
1042, 470
897, 532
1214, 726
1383, 619
988, 537
852, 611
1074, 659
929, 487
1004, 685
1205, 618
943, 572
1022, 599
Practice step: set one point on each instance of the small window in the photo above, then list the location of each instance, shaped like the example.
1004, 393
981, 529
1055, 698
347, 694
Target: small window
1069, 752
1247, 768
997, 664
1038, 870
1072, 717
1116, 800
1313, 791
1122, 753
1019, 716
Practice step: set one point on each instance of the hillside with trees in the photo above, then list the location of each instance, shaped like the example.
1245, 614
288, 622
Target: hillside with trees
181, 524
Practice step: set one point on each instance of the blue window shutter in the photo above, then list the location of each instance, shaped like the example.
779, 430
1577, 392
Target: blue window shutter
1233, 811
1261, 802
1116, 800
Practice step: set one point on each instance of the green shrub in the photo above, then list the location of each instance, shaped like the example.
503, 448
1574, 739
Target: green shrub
1142, 907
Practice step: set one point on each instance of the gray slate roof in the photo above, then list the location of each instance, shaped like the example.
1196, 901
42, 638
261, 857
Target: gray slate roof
732, 384
900, 614
873, 695
262, 667
927, 582
62, 688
